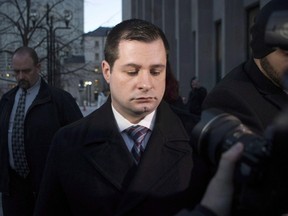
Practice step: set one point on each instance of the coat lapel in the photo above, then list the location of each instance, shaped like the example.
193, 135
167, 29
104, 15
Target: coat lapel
112, 160
164, 151
105, 148
158, 159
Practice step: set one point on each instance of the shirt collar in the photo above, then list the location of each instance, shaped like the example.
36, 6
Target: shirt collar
123, 123
33, 88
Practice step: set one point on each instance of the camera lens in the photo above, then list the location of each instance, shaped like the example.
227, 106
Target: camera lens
211, 131
217, 131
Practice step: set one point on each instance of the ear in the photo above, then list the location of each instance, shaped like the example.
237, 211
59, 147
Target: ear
106, 71
38, 66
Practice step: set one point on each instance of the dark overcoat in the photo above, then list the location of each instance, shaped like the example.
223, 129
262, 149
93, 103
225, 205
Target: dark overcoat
51, 109
247, 94
91, 172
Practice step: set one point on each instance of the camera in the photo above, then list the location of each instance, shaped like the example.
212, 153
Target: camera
218, 131
261, 174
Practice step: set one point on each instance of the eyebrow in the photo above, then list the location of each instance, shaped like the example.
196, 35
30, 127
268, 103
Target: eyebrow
139, 66
158, 66
131, 65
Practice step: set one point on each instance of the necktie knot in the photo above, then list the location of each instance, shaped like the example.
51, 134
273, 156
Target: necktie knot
137, 134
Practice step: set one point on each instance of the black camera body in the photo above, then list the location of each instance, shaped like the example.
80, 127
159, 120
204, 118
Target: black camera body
261, 174
218, 131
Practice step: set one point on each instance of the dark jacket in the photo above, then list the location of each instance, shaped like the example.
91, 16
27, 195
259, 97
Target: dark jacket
91, 172
51, 109
246, 93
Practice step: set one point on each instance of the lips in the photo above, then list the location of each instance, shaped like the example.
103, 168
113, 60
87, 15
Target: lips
144, 99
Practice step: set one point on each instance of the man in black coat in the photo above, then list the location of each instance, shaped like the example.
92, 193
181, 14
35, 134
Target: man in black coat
254, 92
91, 168
46, 110
196, 97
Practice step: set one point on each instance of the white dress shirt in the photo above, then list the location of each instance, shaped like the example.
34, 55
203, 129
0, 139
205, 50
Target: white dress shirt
148, 121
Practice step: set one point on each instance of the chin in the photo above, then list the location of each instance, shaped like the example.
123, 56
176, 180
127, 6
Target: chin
148, 109
143, 109
24, 84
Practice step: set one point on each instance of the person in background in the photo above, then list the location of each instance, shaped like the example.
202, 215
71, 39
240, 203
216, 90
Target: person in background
196, 97
254, 91
30, 114
171, 94
255, 94
173, 98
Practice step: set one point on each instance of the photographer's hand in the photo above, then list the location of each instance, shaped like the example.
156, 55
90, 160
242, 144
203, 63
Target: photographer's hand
219, 193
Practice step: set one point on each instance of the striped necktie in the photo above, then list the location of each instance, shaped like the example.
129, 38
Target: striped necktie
18, 148
137, 134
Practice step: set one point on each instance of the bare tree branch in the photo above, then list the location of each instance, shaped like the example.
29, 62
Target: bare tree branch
18, 23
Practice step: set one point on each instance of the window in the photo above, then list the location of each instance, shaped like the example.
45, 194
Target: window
97, 56
251, 14
97, 44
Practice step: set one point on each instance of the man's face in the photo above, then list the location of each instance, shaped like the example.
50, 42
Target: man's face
26, 72
275, 65
195, 83
137, 80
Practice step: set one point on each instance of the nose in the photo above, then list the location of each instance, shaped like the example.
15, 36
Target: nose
144, 80
20, 75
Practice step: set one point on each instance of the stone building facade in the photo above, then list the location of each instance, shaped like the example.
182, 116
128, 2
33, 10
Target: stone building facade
207, 37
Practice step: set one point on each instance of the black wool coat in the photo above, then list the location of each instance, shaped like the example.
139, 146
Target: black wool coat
91, 172
52, 109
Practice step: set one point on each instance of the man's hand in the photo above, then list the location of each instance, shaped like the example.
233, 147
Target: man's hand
219, 193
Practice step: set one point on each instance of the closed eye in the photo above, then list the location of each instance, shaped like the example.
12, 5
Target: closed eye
155, 72
132, 73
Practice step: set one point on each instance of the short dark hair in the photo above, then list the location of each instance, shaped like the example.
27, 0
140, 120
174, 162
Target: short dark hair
27, 50
132, 29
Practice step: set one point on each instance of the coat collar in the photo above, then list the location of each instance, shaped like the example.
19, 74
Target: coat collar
101, 125
108, 153
42, 97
